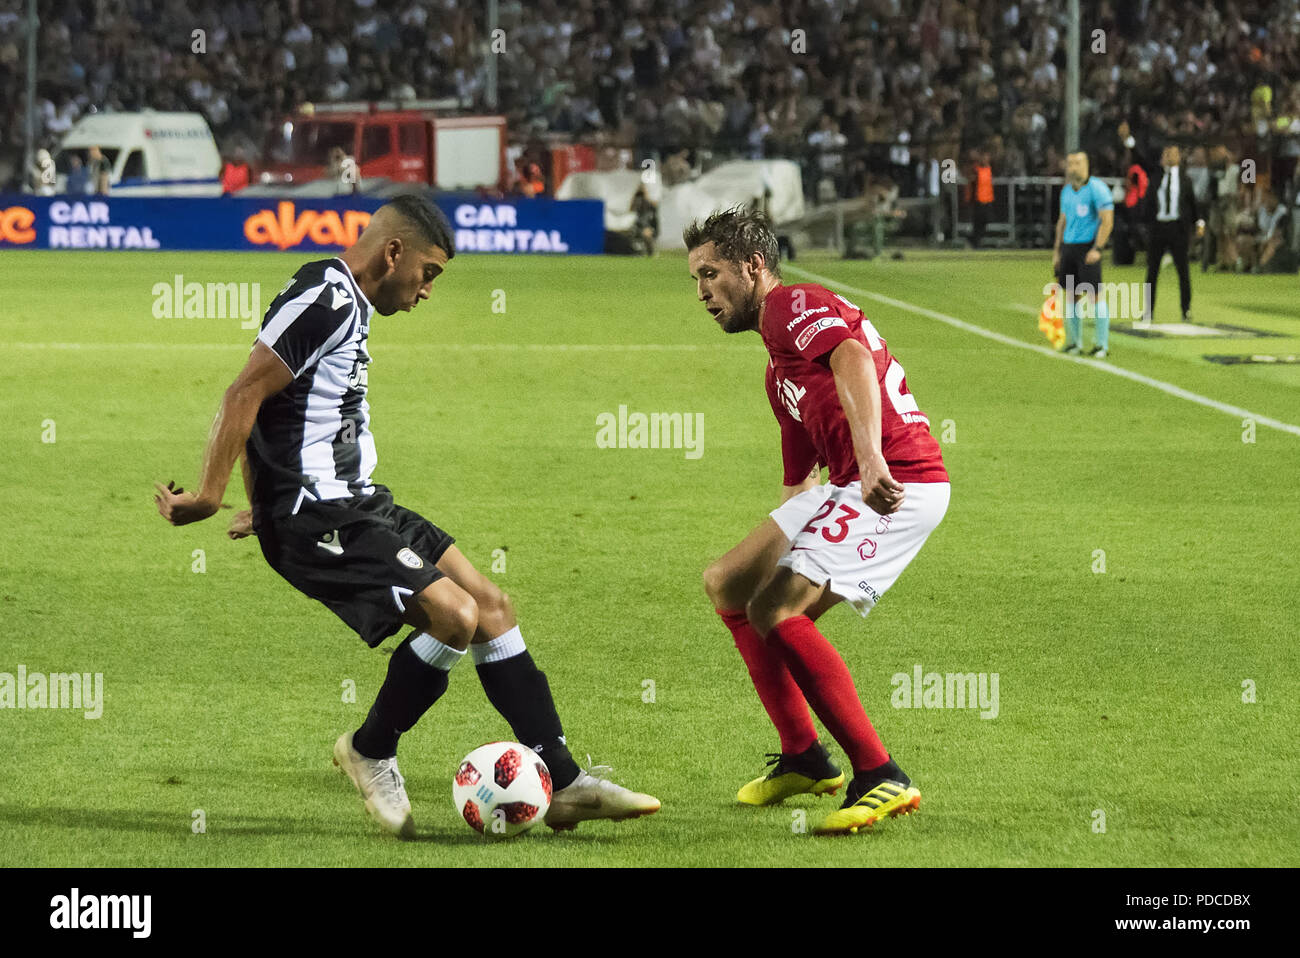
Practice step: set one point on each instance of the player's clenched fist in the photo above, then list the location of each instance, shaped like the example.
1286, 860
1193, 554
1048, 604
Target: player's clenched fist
880, 491
241, 527
180, 507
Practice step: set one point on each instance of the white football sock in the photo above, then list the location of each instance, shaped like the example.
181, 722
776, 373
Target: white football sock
438, 654
506, 645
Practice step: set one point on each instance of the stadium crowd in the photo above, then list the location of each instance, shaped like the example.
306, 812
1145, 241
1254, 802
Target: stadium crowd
853, 88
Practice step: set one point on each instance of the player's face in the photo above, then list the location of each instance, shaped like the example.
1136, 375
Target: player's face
725, 288
411, 272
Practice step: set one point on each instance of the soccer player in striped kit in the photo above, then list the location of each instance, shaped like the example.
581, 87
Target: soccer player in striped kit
299, 415
841, 400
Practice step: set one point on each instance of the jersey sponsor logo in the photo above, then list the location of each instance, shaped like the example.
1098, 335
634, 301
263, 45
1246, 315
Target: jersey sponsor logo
330, 543
866, 549
409, 559
1082, 209
341, 297
810, 333
805, 315
790, 394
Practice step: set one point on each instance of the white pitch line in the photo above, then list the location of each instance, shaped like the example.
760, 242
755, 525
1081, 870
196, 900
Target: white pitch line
450, 347
1120, 371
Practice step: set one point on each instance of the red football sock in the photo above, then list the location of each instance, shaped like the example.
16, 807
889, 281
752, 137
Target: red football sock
825, 680
784, 702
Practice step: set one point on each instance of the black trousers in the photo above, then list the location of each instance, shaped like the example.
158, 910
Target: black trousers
1171, 237
979, 221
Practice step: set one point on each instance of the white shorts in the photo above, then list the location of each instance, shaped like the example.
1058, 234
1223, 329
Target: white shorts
838, 540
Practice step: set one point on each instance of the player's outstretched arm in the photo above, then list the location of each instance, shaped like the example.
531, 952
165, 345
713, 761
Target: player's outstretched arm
859, 392
263, 376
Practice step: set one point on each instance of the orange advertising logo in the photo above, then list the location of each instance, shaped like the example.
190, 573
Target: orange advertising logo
16, 225
285, 228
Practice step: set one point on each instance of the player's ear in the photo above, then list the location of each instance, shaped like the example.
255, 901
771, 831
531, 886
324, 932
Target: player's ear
393, 250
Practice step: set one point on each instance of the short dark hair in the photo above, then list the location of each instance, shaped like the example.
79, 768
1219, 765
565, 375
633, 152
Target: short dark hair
737, 234
429, 221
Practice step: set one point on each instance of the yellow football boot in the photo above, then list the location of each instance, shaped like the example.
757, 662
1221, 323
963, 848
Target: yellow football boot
889, 798
811, 772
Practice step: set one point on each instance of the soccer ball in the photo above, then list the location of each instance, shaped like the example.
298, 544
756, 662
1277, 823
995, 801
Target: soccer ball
502, 789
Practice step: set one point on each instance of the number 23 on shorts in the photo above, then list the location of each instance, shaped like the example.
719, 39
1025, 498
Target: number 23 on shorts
839, 522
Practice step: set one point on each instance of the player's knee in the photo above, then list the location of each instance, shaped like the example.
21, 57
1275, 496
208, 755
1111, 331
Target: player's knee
715, 584
763, 612
452, 618
462, 621
496, 613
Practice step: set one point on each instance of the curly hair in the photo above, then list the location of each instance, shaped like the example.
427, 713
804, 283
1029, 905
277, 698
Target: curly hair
737, 234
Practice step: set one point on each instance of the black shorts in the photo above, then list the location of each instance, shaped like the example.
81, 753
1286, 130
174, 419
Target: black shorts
1072, 264
363, 557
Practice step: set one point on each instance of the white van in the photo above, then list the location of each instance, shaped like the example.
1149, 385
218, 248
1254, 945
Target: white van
150, 154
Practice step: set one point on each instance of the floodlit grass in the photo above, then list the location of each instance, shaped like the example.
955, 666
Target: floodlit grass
1120, 691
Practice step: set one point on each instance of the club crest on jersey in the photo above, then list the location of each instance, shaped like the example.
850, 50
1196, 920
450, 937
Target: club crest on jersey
807, 335
409, 559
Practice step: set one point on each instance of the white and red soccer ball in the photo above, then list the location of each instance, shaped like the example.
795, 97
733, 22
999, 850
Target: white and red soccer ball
502, 789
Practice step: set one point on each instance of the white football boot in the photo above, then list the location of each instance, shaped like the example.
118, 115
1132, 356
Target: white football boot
592, 796
380, 784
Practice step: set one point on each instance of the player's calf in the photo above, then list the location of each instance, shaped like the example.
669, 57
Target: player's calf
784, 596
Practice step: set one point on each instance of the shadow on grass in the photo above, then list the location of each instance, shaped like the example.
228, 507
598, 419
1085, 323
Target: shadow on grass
169, 822
176, 823
463, 836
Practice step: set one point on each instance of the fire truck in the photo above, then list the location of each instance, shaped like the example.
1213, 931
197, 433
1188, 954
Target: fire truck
418, 141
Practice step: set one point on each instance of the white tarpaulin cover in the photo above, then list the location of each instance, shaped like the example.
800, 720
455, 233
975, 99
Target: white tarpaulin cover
731, 184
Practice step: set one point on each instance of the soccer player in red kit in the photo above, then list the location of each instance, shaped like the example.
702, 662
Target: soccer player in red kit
841, 400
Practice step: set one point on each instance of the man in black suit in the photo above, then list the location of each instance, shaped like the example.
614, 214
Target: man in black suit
1171, 216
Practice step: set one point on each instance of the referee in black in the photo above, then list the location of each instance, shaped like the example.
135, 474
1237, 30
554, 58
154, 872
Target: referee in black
1171, 216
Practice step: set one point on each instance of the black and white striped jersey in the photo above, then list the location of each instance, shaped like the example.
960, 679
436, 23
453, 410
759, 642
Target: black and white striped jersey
312, 440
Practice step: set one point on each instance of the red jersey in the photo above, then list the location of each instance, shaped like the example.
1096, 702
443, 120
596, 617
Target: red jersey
801, 325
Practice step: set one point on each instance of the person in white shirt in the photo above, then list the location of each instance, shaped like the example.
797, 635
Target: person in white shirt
1171, 213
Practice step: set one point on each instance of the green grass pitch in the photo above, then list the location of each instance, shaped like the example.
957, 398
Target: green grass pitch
1120, 692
